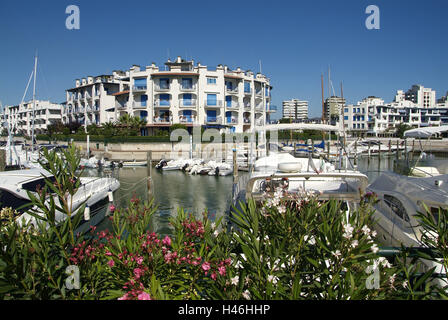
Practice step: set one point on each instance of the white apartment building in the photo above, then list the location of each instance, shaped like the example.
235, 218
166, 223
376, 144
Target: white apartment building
92, 100
295, 109
20, 117
372, 116
195, 95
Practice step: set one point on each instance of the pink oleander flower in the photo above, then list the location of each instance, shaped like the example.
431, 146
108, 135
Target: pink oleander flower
167, 241
213, 276
222, 270
108, 253
112, 208
124, 297
144, 296
138, 273
139, 260
206, 266
111, 263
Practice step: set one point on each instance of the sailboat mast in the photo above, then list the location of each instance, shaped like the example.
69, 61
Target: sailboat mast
34, 101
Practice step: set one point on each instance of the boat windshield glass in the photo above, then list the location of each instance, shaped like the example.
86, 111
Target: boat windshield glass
9, 200
37, 184
396, 206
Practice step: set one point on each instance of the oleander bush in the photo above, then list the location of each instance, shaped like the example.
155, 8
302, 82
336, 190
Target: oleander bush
283, 248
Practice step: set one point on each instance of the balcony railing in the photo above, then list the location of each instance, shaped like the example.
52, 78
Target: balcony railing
232, 121
162, 89
187, 88
232, 105
232, 90
213, 104
185, 119
213, 120
246, 121
162, 120
247, 106
162, 104
139, 88
139, 105
187, 103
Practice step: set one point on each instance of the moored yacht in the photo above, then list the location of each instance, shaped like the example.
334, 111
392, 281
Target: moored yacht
94, 192
400, 198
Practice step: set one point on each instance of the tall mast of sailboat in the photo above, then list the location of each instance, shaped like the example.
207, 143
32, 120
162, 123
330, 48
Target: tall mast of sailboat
34, 101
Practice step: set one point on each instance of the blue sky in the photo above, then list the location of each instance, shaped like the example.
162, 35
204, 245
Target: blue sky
296, 41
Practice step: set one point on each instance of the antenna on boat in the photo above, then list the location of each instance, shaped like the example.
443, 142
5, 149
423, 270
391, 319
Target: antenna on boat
34, 101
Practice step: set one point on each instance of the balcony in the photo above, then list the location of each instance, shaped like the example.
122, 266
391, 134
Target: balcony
232, 105
246, 120
162, 104
158, 120
187, 103
161, 88
139, 88
248, 91
231, 121
213, 104
187, 120
213, 120
259, 93
233, 90
187, 88
139, 105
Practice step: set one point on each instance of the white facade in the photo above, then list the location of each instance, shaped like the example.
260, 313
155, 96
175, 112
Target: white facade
195, 95
373, 116
20, 118
91, 101
295, 109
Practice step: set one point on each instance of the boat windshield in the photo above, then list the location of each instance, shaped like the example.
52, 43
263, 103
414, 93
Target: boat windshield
9, 200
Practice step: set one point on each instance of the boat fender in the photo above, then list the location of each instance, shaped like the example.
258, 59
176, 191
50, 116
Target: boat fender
87, 213
110, 195
438, 183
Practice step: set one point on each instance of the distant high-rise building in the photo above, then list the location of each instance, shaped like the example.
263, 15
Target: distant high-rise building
333, 107
421, 96
295, 109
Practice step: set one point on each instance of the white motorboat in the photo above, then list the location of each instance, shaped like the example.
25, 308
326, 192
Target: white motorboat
400, 198
133, 163
92, 191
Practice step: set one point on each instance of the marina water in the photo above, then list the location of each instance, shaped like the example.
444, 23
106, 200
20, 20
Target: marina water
196, 194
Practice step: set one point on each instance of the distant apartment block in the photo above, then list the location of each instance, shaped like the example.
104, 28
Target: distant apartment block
333, 108
20, 117
295, 109
92, 100
372, 116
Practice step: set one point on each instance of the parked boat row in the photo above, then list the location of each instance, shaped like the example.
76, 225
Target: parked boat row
196, 167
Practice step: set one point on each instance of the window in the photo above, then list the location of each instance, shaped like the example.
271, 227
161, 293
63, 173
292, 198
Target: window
346, 110
187, 83
211, 81
211, 115
140, 83
164, 83
211, 100
247, 86
228, 101
164, 99
143, 100
187, 100
229, 85
346, 118
396, 206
